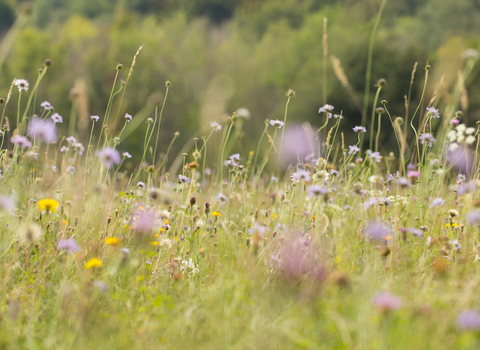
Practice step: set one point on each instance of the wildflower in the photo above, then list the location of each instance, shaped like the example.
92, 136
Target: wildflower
378, 231
57, 118
473, 218
21, 141
301, 175
189, 266
167, 243
468, 320
470, 139
453, 212
243, 113
43, 130
413, 174
216, 214
64, 149
141, 185
46, 105
112, 241
427, 138
403, 182
326, 108
359, 129
353, 149
221, 198
102, 286
50, 205
79, 148
387, 301
456, 244
258, 230
370, 202
7, 203
127, 117
71, 140
183, 179
93, 263
22, 84
144, 221
69, 245
70, 170
437, 202
276, 123
234, 157
95, 118
215, 126
374, 155
317, 191
109, 156
454, 121
416, 232
29, 234
432, 112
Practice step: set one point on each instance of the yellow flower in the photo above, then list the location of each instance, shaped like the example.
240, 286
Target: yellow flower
112, 241
93, 263
216, 213
48, 204
155, 243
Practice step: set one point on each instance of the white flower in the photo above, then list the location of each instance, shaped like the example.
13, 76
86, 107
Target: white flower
243, 113
452, 135
429, 240
461, 128
477, 258
189, 266
470, 131
22, 84
453, 147
470, 139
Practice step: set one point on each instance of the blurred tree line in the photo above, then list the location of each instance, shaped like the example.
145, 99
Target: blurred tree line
221, 55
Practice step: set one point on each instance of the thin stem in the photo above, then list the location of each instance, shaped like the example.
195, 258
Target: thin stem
159, 122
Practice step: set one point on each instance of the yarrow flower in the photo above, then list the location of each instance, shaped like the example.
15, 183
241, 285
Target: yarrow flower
276, 123
109, 156
432, 112
57, 118
42, 130
359, 129
46, 105
21, 141
21, 84
427, 138
215, 126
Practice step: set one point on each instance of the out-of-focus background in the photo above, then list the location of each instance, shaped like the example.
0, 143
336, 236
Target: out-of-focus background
221, 55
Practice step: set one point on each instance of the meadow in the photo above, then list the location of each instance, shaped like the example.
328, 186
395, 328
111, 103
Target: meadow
302, 240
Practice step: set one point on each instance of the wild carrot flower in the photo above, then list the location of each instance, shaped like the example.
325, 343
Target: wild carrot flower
46, 105
387, 301
93, 263
69, 245
21, 141
57, 118
109, 156
50, 205
42, 130
21, 84
359, 129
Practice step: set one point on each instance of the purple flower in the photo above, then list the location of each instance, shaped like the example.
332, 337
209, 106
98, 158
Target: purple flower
215, 126
276, 123
298, 142
95, 118
359, 129
128, 117
57, 118
44, 131
416, 232
109, 156
301, 175
427, 138
403, 182
22, 84
71, 140
257, 229
234, 157
102, 286
21, 141
46, 105
141, 185
353, 149
221, 198
69, 245
70, 170
370, 202
326, 108
413, 174
378, 231
437, 202
374, 155
454, 121
387, 301
183, 179
473, 218
468, 320
432, 112
7, 203
144, 221
317, 191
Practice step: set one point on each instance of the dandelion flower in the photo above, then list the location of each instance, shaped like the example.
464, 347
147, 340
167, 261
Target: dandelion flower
93, 263
50, 205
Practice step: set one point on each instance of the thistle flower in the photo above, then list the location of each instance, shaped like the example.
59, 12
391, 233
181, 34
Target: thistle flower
46, 105
387, 301
57, 118
276, 123
42, 130
95, 118
109, 156
69, 245
359, 129
21, 141
21, 84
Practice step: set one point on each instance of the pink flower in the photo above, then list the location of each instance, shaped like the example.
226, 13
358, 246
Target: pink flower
387, 301
44, 131
21, 141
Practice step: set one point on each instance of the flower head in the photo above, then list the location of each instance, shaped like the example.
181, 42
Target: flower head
109, 156
69, 245
21, 84
387, 301
57, 118
317, 191
432, 112
93, 263
112, 241
7, 203
21, 141
183, 179
42, 130
437, 202
30, 233
326, 108
359, 129
127, 117
95, 118
353, 149
377, 230
468, 320
427, 138
50, 205
46, 105
276, 123
215, 126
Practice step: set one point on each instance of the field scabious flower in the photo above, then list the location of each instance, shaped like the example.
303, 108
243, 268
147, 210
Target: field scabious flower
50, 205
21, 84
427, 139
473, 218
276, 123
378, 231
374, 156
95, 118
183, 179
128, 117
359, 129
317, 191
46, 105
93, 263
57, 118
7, 203
300, 175
353, 149
326, 108
42, 130
69, 245
432, 112
109, 156
387, 301
21, 141
468, 320
143, 221
215, 126
437, 202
